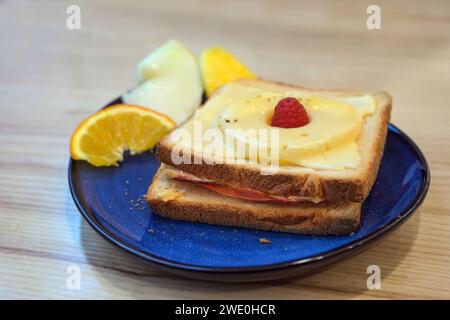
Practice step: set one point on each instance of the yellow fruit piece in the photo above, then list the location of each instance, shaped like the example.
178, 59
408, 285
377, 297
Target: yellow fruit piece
220, 67
102, 138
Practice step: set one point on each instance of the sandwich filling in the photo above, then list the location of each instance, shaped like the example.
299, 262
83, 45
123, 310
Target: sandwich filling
234, 191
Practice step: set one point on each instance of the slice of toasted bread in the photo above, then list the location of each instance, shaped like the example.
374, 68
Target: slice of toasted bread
322, 185
186, 201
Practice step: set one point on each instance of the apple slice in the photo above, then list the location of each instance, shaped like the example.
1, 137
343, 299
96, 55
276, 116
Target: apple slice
169, 81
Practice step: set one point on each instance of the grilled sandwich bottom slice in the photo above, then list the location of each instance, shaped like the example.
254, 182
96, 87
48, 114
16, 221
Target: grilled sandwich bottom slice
187, 201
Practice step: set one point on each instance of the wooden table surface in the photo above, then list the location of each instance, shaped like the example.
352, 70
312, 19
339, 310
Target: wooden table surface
52, 77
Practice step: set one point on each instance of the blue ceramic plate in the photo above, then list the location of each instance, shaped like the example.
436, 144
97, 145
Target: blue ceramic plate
111, 200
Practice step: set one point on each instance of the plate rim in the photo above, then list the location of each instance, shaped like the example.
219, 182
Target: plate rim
319, 258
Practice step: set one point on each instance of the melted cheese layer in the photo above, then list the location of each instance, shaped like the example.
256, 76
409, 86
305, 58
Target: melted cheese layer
327, 142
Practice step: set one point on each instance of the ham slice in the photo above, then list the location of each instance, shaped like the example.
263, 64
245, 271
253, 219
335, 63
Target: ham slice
241, 193
234, 192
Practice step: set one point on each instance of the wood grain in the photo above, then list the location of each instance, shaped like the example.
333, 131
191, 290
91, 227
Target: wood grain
51, 78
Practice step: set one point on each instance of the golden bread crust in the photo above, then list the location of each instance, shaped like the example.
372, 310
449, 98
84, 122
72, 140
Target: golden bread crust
189, 202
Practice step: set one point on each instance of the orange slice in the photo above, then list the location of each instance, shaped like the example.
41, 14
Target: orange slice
220, 67
102, 138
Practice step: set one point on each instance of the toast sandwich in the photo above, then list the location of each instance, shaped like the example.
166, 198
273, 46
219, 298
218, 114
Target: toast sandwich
325, 171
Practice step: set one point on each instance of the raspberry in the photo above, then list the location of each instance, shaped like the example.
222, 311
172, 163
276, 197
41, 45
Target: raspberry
289, 113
